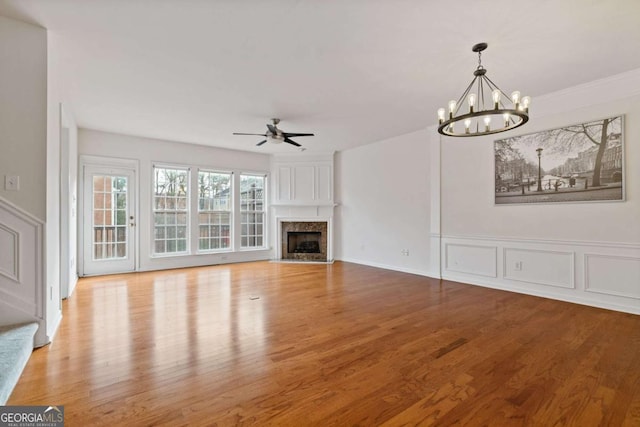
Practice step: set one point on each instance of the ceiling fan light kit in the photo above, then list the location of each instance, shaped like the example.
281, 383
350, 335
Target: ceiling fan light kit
276, 136
486, 111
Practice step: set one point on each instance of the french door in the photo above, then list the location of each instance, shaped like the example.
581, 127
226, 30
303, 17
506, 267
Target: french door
109, 220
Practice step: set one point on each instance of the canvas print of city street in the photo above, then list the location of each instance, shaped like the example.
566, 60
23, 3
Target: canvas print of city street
577, 163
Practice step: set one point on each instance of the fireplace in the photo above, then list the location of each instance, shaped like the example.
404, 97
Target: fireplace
304, 240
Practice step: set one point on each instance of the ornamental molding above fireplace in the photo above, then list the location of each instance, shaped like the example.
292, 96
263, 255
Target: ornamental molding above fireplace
302, 194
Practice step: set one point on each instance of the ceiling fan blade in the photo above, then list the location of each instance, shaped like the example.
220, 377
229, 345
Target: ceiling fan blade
256, 134
287, 134
291, 142
260, 143
272, 129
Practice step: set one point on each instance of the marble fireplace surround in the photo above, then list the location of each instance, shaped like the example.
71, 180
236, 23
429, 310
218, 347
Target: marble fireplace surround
320, 227
314, 224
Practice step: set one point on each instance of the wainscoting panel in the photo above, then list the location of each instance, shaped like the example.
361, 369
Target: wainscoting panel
600, 274
324, 178
304, 180
21, 266
553, 268
471, 259
9, 254
283, 189
304, 183
612, 275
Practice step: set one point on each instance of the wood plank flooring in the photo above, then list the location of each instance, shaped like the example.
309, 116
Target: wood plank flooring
344, 344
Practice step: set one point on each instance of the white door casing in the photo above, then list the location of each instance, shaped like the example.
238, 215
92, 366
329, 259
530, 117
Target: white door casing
109, 220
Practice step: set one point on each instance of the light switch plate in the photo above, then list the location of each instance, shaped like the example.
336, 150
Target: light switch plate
11, 182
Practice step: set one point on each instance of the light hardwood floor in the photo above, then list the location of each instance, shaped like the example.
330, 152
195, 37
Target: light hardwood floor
343, 344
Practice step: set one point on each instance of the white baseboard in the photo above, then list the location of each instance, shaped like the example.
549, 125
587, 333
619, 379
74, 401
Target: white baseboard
576, 299
390, 267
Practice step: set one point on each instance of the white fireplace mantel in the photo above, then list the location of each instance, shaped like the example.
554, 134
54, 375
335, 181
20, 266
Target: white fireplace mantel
302, 191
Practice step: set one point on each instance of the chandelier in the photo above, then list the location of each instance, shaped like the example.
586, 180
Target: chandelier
479, 116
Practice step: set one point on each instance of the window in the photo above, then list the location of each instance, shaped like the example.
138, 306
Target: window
109, 217
252, 206
170, 210
214, 210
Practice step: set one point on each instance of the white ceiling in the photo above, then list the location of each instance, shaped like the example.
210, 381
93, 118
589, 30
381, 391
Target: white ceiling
351, 71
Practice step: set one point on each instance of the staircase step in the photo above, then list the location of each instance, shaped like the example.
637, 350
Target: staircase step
16, 346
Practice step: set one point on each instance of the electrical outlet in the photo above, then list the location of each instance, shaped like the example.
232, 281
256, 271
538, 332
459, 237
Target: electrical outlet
518, 266
405, 252
11, 182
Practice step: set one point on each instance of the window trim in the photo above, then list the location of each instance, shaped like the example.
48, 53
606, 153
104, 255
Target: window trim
187, 251
264, 211
231, 211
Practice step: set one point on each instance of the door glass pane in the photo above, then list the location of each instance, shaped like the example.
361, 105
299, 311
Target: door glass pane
110, 230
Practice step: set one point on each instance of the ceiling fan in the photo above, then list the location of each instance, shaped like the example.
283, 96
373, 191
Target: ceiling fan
276, 135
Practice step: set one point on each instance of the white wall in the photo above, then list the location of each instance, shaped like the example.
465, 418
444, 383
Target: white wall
145, 152
57, 93
23, 120
23, 114
383, 196
581, 252
68, 202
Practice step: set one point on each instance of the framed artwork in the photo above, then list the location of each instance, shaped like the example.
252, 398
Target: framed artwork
576, 163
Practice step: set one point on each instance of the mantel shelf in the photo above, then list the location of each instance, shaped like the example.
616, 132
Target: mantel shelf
300, 204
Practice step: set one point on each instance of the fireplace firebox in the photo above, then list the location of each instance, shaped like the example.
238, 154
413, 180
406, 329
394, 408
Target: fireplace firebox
304, 241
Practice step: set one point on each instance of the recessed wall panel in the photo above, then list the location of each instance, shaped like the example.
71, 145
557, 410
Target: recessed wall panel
613, 275
284, 184
471, 259
304, 183
325, 184
552, 268
9, 253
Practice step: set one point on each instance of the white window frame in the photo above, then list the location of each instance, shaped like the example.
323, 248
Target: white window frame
263, 211
188, 212
230, 211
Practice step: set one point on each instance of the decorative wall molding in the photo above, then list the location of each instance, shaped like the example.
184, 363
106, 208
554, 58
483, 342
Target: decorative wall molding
542, 241
612, 275
539, 266
479, 260
22, 286
302, 181
10, 247
600, 274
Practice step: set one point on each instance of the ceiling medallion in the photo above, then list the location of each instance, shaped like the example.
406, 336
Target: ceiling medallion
499, 113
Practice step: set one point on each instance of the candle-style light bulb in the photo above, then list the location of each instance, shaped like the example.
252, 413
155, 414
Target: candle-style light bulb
452, 108
440, 115
515, 97
472, 101
467, 125
487, 123
506, 118
496, 98
526, 100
